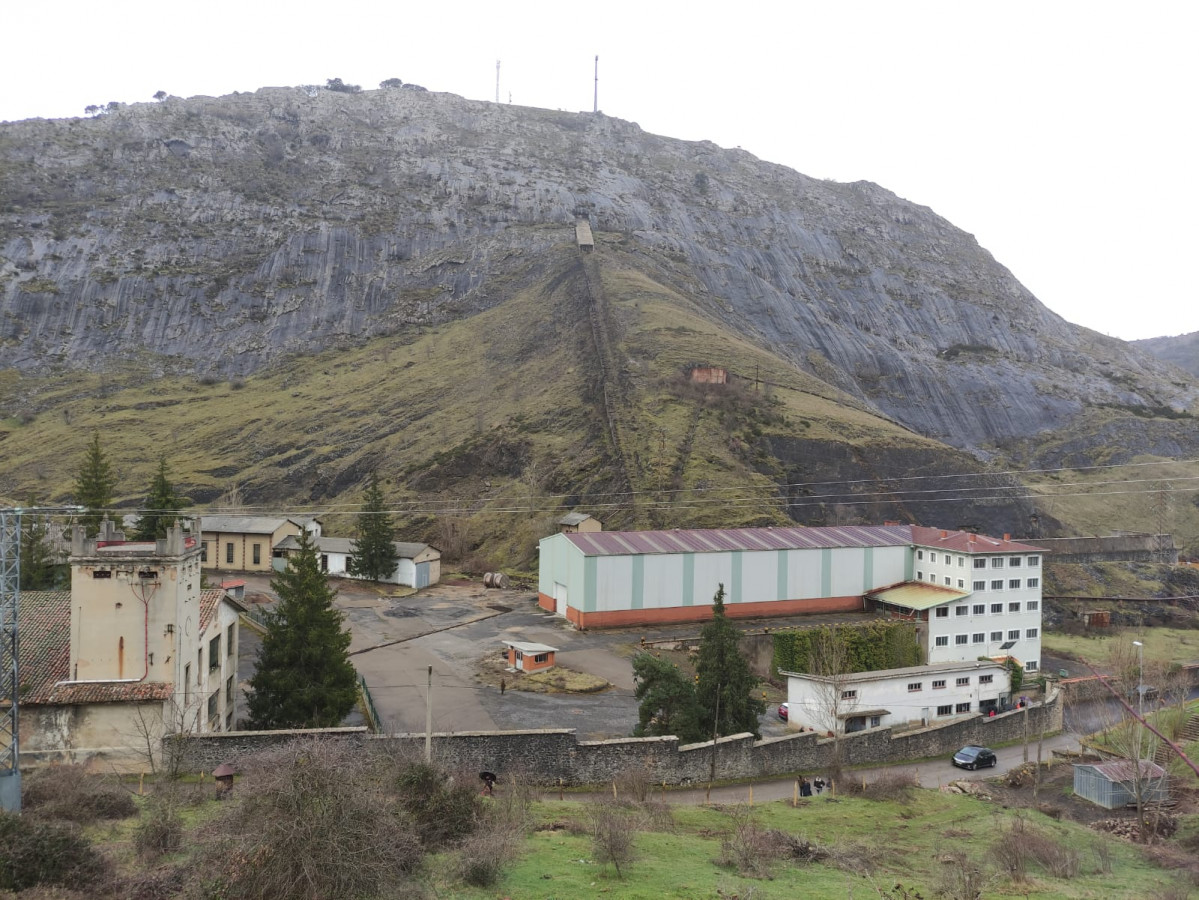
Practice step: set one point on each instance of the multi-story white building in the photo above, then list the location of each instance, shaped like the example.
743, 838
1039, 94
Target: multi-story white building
971, 596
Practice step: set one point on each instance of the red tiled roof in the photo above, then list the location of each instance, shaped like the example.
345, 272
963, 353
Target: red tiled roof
44, 626
209, 601
966, 542
110, 692
621, 543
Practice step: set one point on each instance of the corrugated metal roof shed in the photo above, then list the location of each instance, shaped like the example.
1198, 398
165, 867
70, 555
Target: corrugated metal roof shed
1113, 784
917, 595
620, 543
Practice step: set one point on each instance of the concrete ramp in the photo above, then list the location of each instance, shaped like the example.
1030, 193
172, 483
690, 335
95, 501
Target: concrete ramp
583, 236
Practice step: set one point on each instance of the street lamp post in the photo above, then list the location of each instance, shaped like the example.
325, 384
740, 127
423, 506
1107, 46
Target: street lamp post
1140, 678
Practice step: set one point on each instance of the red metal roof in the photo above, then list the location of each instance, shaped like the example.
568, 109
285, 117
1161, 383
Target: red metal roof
621, 543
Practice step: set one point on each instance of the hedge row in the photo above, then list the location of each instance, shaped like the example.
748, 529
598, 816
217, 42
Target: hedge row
870, 647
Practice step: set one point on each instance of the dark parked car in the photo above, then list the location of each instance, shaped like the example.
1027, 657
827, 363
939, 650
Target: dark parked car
783, 710
974, 758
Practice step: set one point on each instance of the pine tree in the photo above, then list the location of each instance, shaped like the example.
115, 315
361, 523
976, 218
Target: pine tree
373, 551
94, 484
38, 569
162, 503
723, 679
667, 700
303, 678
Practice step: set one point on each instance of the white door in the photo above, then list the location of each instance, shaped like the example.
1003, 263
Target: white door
560, 596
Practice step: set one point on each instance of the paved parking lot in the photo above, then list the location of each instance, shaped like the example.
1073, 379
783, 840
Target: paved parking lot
452, 626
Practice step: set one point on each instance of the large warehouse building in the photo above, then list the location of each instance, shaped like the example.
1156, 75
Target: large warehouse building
945, 581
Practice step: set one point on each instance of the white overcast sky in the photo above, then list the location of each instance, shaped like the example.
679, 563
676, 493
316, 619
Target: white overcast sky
1061, 134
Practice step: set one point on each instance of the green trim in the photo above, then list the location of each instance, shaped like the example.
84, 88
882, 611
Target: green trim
826, 572
735, 587
638, 600
909, 565
781, 586
590, 573
868, 569
688, 579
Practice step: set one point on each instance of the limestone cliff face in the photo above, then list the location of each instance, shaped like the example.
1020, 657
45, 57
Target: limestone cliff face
218, 235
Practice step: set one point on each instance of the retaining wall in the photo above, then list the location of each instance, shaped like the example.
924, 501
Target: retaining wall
554, 756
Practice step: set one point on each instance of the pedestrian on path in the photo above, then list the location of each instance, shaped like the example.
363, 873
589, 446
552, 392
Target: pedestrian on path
503, 686
805, 787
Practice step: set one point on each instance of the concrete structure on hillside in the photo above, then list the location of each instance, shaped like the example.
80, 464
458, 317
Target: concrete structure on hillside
249, 543
1113, 548
419, 564
573, 523
646, 577
911, 696
134, 651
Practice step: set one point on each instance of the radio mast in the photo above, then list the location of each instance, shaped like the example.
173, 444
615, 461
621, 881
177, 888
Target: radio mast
595, 102
497, 81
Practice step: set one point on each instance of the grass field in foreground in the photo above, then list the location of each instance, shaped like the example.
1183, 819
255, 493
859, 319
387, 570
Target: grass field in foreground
879, 844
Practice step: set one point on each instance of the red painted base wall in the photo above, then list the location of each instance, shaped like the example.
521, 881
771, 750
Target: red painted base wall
670, 614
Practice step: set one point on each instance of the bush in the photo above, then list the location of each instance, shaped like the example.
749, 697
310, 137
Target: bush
70, 794
161, 829
612, 836
442, 808
482, 855
961, 878
889, 786
313, 820
34, 853
748, 847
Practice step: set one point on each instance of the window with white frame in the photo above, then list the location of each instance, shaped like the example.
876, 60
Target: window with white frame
963, 707
979, 609
919, 575
1014, 606
942, 640
1031, 633
915, 686
996, 562
1034, 561
996, 609
996, 636
997, 584
1032, 605
986, 679
963, 682
1014, 634
980, 563
960, 639
942, 612
1031, 666
1013, 584
946, 710
939, 684
979, 637
1014, 562
961, 561
932, 557
849, 695
1033, 582
948, 580
961, 610
961, 584
980, 585
919, 554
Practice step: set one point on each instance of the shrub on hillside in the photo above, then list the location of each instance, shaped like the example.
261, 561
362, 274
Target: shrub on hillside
889, 786
443, 808
35, 853
313, 820
70, 794
160, 830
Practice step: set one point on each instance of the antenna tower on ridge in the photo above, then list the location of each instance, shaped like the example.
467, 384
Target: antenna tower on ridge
497, 81
595, 102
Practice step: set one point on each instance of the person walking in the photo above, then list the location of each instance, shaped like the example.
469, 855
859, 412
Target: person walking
503, 686
805, 787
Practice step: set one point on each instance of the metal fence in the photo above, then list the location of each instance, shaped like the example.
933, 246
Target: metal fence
368, 706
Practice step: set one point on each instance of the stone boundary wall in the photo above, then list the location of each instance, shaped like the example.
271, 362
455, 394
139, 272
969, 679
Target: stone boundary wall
1089, 687
554, 756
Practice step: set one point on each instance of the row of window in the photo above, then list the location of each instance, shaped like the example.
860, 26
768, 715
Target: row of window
950, 709
983, 562
983, 609
996, 584
939, 683
980, 637
255, 552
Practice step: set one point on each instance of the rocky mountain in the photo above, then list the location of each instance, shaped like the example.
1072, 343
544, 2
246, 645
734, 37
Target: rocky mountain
1181, 350
210, 239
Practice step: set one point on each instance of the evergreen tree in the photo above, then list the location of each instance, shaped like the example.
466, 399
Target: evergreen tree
373, 553
94, 484
38, 569
303, 677
162, 504
667, 698
724, 684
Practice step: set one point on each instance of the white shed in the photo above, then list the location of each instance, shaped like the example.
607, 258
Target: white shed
419, 565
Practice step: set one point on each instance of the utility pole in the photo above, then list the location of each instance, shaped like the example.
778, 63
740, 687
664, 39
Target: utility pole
429, 718
10, 588
595, 102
